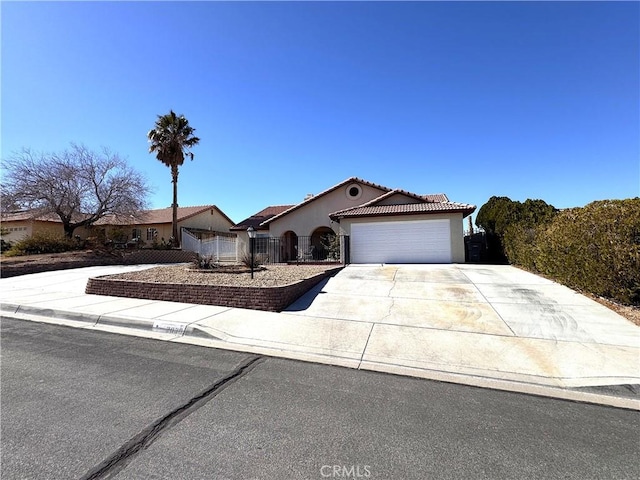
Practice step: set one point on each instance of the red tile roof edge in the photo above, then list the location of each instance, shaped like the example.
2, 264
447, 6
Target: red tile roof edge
258, 218
428, 208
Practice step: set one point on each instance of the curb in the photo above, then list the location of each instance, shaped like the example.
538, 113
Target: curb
181, 331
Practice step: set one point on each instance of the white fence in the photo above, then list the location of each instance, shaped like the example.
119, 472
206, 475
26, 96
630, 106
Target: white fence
221, 248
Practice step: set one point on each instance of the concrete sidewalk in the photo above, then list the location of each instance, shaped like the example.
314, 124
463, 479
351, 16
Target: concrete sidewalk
489, 326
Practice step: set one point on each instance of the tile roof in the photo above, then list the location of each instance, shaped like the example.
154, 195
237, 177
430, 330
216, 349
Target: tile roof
404, 209
161, 215
436, 197
391, 193
323, 193
432, 203
262, 216
26, 215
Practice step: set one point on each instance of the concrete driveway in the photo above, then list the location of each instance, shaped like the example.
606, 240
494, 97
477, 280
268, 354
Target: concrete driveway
490, 326
485, 320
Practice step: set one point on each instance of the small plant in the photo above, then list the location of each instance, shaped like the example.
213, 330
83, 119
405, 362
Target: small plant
162, 245
258, 260
205, 262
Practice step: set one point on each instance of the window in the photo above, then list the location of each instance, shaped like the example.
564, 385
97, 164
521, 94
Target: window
136, 233
262, 243
152, 234
353, 191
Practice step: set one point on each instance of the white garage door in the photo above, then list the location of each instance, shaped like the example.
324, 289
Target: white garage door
423, 241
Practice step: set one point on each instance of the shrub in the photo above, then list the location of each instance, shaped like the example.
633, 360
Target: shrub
205, 262
495, 215
258, 259
331, 245
45, 243
511, 227
162, 245
4, 245
595, 248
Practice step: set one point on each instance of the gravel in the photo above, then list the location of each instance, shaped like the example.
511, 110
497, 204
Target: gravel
271, 276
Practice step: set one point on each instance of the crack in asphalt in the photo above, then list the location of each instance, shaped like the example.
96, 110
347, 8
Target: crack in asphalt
126, 453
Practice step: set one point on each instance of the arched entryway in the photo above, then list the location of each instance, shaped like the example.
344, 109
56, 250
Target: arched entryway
288, 246
323, 244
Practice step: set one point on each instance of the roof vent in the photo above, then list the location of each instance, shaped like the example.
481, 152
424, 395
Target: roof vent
308, 196
353, 191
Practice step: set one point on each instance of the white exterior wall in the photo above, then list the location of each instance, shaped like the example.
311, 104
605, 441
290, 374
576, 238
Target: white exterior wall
17, 230
455, 225
208, 220
21, 229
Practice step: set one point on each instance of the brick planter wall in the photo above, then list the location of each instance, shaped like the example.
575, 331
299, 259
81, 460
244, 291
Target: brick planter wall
272, 299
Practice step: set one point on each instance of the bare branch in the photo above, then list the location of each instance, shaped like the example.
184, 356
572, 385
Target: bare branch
78, 185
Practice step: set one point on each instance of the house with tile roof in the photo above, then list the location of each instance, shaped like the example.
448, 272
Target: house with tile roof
151, 226
155, 226
26, 223
375, 224
257, 219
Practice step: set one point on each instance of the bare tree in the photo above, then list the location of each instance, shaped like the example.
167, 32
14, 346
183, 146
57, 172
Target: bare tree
78, 185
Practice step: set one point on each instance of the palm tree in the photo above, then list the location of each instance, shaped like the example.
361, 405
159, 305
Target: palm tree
171, 140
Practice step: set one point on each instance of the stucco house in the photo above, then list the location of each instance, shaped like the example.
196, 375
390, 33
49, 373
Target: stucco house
19, 225
155, 226
375, 224
150, 226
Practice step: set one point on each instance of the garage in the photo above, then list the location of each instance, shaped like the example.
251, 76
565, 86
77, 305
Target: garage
417, 241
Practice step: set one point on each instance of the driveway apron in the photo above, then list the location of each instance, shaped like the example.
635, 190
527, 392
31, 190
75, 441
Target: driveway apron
482, 320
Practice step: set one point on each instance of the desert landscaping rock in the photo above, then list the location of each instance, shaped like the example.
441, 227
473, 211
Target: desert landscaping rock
271, 276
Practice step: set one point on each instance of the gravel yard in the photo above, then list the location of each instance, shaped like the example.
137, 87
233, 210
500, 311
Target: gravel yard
271, 276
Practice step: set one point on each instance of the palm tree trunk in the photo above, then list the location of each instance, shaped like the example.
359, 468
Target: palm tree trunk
174, 221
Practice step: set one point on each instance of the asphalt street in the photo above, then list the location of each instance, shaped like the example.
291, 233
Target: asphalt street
90, 404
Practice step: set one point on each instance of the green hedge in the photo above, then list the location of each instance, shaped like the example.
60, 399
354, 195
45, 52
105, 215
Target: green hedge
510, 227
595, 248
44, 243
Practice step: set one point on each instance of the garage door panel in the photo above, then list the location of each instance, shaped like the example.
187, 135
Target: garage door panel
424, 241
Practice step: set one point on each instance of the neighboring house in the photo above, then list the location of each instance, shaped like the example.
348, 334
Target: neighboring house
155, 226
23, 224
152, 226
376, 224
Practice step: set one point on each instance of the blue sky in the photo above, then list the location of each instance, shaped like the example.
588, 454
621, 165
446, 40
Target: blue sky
474, 99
